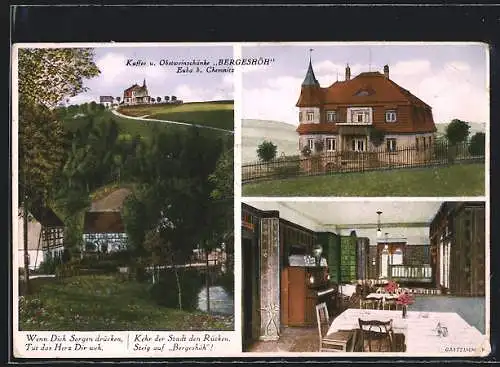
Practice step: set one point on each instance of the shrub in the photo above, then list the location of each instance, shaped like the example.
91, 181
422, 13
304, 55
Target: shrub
288, 169
50, 264
267, 151
477, 144
377, 137
306, 151
164, 292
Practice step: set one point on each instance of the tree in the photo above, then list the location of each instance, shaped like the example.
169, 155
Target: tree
167, 98
158, 99
46, 77
377, 137
267, 151
477, 144
118, 99
457, 131
49, 75
173, 197
174, 98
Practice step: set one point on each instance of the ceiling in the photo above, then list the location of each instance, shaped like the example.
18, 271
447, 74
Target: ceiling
357, 212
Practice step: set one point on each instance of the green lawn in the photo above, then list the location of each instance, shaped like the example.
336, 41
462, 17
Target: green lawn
101, 302
456, 180
214, 114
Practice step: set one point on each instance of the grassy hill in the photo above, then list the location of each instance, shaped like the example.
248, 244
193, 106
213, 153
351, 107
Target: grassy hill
254, 132
215, 113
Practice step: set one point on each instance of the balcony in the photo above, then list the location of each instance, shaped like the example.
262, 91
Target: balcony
411, 273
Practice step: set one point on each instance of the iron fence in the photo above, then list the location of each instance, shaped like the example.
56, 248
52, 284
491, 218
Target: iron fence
321, 163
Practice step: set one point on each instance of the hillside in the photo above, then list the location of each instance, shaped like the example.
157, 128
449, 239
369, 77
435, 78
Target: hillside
254, 132
217, 114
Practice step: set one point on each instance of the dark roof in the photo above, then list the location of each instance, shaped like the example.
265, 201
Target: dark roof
46, 217
106, 99
111, 202
103, 222
310, 78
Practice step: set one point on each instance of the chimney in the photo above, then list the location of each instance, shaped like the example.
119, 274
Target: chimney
386, 71
347, 72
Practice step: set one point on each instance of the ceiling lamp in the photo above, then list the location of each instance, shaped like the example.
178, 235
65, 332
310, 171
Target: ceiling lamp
379, 230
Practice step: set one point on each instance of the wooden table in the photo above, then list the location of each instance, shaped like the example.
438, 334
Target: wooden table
420, 332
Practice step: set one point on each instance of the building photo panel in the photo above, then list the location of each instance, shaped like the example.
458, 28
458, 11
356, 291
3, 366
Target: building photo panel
366, 119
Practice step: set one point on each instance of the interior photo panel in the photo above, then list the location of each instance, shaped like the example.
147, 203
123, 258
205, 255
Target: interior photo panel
357, 277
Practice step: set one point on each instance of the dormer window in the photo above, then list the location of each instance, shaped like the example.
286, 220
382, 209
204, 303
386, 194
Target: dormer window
362, 93
310, 116
331, 116
390, 116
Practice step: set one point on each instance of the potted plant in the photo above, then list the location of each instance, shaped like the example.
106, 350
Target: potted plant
405, 299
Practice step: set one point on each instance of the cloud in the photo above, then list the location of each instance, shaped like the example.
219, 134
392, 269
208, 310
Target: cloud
189, 93
409, 68
114, 70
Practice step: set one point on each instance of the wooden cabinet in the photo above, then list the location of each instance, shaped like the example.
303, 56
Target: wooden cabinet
301, 297
457, 235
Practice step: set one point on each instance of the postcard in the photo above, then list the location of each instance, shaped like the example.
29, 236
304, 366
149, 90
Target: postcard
250, 200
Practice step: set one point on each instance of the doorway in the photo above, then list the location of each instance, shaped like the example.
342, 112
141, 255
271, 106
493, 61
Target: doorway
250, 291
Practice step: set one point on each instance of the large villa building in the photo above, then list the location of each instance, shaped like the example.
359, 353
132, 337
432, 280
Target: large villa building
343, 115
136, 94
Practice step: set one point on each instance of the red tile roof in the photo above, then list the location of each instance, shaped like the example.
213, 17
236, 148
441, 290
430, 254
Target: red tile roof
370, 89
380, 90
103, 222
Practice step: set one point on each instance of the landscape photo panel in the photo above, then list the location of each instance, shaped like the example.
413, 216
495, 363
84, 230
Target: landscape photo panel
123, 197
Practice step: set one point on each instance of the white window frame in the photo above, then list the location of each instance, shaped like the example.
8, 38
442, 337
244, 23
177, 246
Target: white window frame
357, 143
391, 144
331, 147
331, 116
310, 116
359, 115
391, 116
310, 143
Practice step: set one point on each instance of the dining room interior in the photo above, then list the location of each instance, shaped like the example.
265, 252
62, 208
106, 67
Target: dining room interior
364, 276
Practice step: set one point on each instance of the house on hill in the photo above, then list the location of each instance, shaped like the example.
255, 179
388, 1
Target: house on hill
45, 237
106, 101
341, 117
103, 228
136, 94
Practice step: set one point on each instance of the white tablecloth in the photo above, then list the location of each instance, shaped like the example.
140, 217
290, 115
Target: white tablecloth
420, 332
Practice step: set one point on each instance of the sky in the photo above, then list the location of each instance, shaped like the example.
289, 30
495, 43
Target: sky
452, 78
161, 81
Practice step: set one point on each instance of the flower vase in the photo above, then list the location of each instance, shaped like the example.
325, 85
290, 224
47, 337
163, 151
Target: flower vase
405, 311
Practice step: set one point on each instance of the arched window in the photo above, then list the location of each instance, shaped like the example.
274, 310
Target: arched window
397, 257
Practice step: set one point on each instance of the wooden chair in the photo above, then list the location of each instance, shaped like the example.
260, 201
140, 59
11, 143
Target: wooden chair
374, 333
339, 341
